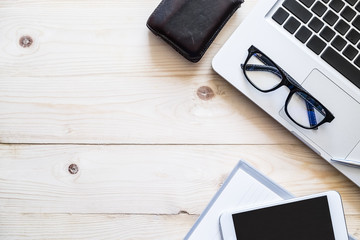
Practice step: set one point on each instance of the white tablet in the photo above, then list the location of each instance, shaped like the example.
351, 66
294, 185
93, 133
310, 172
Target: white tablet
314, 217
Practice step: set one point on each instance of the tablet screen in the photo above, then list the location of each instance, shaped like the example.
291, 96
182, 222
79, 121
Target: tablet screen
306, 220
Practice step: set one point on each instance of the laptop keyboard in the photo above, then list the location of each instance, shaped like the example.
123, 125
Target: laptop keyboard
330, 28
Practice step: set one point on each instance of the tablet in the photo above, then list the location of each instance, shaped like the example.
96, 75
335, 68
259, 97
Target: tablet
314, 217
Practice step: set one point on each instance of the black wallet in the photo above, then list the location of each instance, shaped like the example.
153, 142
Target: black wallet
190, 26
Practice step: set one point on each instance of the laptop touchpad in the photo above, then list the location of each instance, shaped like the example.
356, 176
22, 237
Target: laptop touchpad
340, 136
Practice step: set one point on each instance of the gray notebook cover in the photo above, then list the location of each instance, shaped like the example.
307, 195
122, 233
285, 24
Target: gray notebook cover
254, 187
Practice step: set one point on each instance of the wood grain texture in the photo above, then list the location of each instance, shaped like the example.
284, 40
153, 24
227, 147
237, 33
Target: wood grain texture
100, 226
150, 179
95, 226
149, 136
95, 74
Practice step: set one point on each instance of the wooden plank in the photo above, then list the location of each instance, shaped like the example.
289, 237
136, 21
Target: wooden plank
150, 179
95, 74
93, 226
100, 226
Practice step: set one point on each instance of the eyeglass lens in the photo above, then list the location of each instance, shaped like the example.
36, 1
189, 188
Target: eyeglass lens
305, 110
263, 74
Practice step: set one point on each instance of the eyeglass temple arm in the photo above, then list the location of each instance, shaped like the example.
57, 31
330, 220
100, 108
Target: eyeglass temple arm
264, 68
311, 114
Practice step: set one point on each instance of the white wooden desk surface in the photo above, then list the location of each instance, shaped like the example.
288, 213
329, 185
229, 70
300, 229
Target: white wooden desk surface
152, 135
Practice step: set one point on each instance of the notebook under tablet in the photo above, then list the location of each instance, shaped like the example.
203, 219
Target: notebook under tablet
317, 44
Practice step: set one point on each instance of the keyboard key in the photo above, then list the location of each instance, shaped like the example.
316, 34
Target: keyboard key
348, 14
342, 65
356, 22
292, 25
307, 3
336, 5
327, 34
280, 16
358, 7
353, 36
330, 17
319, 9
298, 10
303, 34
325, 1
316, 24
342, 27
350, 52
351, 2
316, 44
357, 61
338, 43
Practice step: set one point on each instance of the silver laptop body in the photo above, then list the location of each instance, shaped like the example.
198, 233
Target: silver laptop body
339, 139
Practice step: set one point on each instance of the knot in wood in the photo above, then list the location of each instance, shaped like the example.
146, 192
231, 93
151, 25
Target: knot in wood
205, 93
73, 168
25, 41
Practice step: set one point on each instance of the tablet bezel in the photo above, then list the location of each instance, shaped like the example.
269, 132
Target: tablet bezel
335, 209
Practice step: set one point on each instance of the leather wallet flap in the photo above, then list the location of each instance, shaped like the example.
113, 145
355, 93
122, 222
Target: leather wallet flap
190, 26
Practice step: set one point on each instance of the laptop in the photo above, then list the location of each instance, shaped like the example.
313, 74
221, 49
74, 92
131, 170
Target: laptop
317, 44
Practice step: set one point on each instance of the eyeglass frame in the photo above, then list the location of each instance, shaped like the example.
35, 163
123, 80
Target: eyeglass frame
291, 84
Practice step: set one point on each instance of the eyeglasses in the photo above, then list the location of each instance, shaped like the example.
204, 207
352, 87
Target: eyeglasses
300, 106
